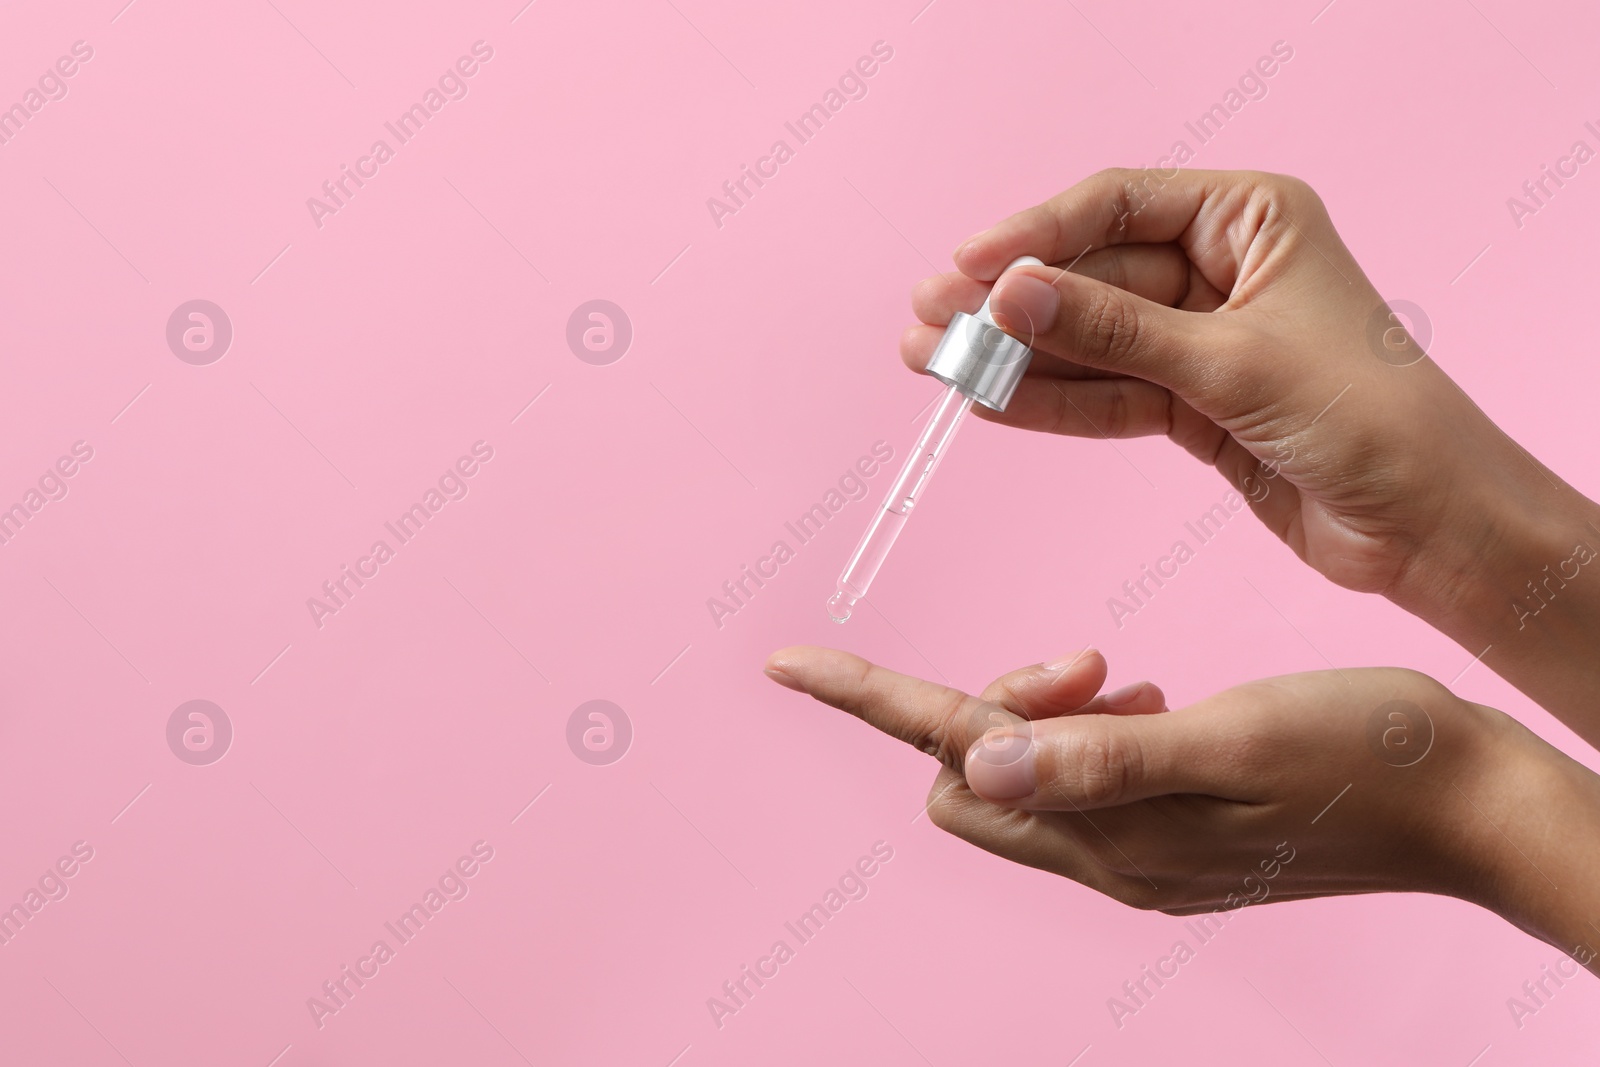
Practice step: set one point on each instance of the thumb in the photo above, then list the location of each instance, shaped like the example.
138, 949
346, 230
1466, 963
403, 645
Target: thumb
1088, 322
1099, 761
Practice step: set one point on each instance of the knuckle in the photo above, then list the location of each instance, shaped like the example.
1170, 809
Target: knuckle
1005, 694
873, 698
1290, 190
941, 812
857, 698
1105, 764
1114, 181
1114, 267
1273, 182
1424, 687
1066, 412
1117, 410
1117, 272
1299, 190
1105, 188
1108, 327
947, 740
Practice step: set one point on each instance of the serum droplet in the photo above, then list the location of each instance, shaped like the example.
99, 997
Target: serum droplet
839, 605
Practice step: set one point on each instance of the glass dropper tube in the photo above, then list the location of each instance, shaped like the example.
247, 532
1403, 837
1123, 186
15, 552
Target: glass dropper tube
897, 506
978, 361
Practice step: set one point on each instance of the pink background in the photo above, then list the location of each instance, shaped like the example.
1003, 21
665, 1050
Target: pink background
369, 354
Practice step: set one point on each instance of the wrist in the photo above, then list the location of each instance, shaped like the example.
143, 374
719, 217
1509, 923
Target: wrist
1527, 819
1503, 551
1512, 573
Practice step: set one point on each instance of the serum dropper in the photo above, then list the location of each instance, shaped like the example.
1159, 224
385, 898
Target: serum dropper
977, 361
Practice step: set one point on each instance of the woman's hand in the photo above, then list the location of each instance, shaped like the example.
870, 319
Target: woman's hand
1222, 310
1307, 785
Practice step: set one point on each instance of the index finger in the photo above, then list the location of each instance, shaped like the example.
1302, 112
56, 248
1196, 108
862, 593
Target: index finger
1115, 206
933, 718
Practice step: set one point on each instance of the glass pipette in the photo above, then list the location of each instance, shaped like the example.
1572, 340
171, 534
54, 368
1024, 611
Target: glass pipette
978, 362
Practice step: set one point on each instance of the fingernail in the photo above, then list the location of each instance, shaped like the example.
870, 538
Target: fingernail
782, 679
1062, 663
1023, 305
1126, 695
1000, 767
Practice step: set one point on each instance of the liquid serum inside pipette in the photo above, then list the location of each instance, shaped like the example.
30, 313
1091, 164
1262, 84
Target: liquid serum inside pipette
978, 362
